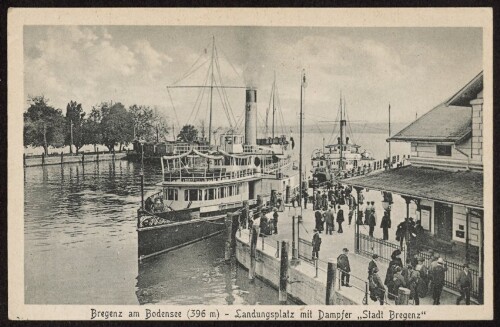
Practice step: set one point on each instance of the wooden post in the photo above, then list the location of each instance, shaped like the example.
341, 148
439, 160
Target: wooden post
62, 157
283, 272
403, 296
97, 156
83, 157
24, 159
43, 159
229, 229
330, 282
254, 235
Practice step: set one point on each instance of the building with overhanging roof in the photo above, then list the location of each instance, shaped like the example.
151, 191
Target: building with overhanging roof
444, 179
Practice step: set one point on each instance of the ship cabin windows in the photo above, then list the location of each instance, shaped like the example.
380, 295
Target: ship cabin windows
231, 161
207, 194
171, 194
193, 195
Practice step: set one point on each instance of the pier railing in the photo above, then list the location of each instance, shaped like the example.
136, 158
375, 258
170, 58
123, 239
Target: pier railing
451, 275
369, 245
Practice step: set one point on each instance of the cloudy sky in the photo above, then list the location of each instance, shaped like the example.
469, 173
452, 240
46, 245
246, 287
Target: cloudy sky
414, 69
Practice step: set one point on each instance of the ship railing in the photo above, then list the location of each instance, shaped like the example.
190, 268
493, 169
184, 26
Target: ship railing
210, 176
272, 168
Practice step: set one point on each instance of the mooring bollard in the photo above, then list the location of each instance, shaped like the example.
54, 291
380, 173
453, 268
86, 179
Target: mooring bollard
403, 296
330, 282
277, 249
283, 293
229, 228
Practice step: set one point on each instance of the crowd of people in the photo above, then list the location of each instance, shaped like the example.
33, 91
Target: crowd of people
419, 278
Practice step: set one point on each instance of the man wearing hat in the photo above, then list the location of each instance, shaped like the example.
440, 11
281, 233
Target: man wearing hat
275, 218
438, 275
329, 219
344, 266
316, 244
464, 283
372, 264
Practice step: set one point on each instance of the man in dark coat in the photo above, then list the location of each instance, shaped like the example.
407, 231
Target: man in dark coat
330, 221
464, 283
316, 244
318, 216
438, 276
345, 267
372, 264
391, 270
372, 219
275, 218
306, 197
340, 219
377, 289
385, 224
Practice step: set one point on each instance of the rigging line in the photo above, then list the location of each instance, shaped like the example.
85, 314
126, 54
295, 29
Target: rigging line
198, 97
349, 123
223, 105
175, 111
331, 140
227, 59
230, 109
188, 71
223, 96
280, 112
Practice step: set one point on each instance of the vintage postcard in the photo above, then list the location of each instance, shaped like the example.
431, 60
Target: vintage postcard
250, 164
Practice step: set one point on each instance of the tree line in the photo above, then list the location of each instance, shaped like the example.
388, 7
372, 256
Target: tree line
109, 124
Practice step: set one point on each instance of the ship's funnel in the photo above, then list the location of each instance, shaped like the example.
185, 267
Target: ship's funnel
251, 117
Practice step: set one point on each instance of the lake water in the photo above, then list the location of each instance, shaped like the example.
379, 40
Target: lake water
81, 243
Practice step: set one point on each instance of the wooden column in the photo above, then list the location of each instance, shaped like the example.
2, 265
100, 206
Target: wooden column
283, 294
356, 226
254, 235
481, 259
407, 231
330, 282
229, 228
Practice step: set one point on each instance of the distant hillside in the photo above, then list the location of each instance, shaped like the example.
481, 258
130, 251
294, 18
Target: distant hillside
357, 128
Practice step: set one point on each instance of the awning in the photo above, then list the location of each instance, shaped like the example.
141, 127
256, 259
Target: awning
460, 187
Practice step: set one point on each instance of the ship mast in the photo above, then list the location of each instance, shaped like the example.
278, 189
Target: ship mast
390, 158
303, 85
342, 124
274, 109
211, 92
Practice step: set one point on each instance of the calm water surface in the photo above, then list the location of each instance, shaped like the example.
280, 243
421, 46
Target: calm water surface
81, 243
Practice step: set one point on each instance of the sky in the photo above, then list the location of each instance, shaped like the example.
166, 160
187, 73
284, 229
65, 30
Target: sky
413, 69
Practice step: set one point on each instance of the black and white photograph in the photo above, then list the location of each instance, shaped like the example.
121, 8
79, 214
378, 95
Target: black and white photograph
183, 166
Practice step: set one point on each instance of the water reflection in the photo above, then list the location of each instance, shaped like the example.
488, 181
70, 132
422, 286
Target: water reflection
81, 244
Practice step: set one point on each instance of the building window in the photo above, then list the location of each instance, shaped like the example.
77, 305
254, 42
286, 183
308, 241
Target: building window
443, 150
